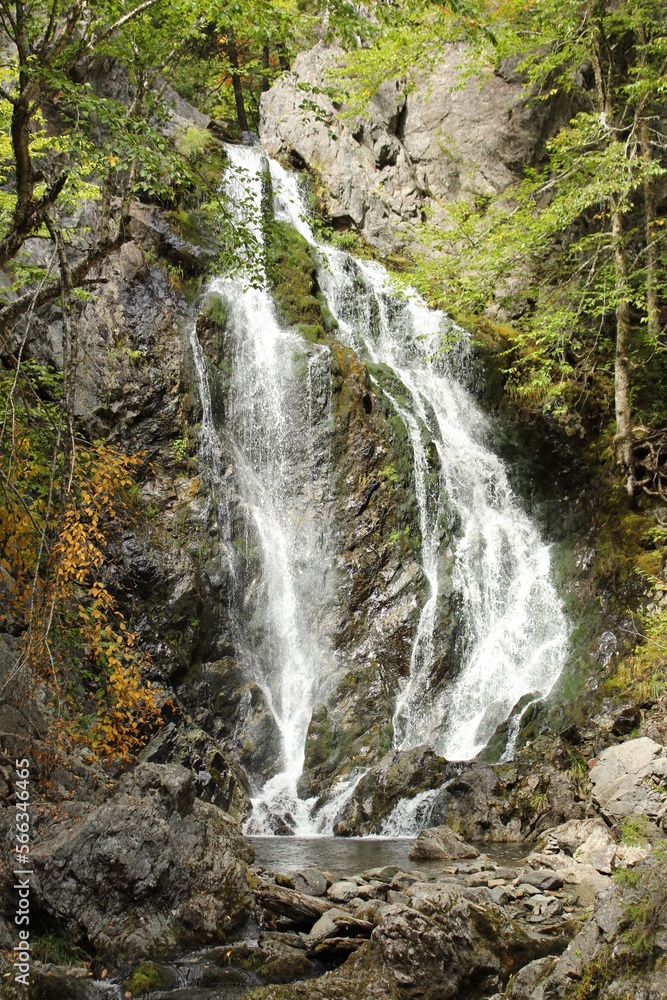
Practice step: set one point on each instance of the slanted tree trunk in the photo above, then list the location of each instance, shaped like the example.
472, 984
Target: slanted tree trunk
236, 80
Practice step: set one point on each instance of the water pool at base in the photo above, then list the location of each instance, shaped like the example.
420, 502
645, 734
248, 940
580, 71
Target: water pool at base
351, 855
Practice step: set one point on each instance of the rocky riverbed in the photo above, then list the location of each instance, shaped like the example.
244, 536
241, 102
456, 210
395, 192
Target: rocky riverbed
578, 912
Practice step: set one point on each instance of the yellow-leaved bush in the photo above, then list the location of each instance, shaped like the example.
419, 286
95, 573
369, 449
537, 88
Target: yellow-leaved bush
57, 511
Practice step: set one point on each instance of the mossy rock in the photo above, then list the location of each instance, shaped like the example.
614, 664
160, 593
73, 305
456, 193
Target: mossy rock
214, 308
149, 977
292, 271
312, 332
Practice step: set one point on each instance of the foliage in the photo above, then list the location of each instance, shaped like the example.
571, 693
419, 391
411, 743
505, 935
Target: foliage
56, 948
634, 831
576, 252
58, 511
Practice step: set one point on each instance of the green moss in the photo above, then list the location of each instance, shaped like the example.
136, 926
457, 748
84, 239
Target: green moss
292, 272
148, 978
329, 321
214, 308
312, 332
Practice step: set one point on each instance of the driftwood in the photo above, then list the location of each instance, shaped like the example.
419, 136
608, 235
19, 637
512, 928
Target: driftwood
297, 906
353, 927
335, 946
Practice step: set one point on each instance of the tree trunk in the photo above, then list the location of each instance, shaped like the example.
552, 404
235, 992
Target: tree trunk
21, 118
236, 80
623, 440
652, 262
282, 58
265, 68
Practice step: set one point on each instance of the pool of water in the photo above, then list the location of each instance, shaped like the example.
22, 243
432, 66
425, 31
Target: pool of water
351, 855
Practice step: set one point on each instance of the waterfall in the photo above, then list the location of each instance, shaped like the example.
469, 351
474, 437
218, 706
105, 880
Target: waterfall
515, 628
514, 633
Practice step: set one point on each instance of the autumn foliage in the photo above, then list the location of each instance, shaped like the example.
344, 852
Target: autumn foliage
60, 506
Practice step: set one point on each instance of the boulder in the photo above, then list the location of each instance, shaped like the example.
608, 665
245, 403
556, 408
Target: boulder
588, 841
585, 880
441, 843
151, 869
216, 779
342, 892
621, 779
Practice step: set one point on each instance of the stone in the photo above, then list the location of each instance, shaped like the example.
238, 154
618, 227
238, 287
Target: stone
570, 836
619, 777
585, 880
542, 879
152, 868
342, 892
311, 881
325, 926
626, 721
441, 843
441, 140
401, 774
598, 850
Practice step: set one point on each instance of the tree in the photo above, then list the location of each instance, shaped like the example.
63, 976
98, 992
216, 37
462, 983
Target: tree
583, 232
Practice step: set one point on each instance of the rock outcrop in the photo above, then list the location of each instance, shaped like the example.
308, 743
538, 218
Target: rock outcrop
150, 869
441, 843
480, 802
629, 778
416, 146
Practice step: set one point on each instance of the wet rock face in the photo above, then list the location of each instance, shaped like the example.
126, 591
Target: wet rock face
380, 584
433, 141
479, 802
151, 869
401, 774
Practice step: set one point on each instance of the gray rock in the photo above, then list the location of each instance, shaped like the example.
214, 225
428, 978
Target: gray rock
326, 926
216, 780
542, 879
151, 869
620, 777
311, 881
441, 843
436, 140
523, 985
342, 892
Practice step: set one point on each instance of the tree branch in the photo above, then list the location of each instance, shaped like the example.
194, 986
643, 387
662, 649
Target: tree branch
35, 216
13, 310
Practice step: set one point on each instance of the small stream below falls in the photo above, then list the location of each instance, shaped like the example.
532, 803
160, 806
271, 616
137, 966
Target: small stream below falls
278, 428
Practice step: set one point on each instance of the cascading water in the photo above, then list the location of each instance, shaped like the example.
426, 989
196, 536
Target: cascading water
514, 629
276, 430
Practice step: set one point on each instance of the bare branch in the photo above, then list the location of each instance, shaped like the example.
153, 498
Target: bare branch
35, 216
14, 309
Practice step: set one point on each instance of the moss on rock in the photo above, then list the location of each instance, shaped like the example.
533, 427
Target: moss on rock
149, 977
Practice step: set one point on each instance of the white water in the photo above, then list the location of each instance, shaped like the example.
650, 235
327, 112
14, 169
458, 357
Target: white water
514, 628
277, 428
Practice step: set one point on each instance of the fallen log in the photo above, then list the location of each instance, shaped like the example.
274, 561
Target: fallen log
291, 903
332, 947
353, 927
